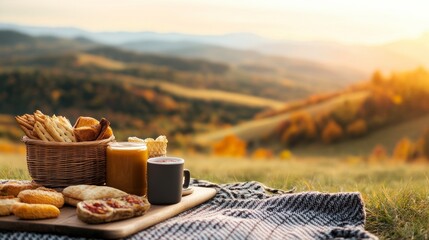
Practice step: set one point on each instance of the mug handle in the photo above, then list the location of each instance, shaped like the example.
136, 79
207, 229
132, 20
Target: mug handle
187, 175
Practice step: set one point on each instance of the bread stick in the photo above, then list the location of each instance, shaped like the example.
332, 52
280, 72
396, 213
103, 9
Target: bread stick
42, 133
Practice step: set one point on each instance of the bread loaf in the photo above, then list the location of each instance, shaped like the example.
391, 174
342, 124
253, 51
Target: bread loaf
112, 209
77, 193
34, 211
42, 196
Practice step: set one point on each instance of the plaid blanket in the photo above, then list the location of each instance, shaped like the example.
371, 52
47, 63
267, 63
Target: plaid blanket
251, 210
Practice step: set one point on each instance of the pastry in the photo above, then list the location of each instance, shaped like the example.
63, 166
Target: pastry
87, 129
105, 131
42, 195
6, 203
14, 187
35, 211
77, 193
85, 122
107, 134
112, 209
90, 133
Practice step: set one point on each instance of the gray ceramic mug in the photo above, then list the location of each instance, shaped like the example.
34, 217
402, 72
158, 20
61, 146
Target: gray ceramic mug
165, 180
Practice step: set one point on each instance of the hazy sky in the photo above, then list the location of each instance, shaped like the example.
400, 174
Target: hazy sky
363, 21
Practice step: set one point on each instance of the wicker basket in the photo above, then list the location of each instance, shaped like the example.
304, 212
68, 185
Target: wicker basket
58, 165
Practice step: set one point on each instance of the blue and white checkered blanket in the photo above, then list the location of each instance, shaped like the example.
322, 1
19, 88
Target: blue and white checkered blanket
250, 210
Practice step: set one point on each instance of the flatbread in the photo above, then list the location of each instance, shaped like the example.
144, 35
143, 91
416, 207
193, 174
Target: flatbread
90, 192
71, 201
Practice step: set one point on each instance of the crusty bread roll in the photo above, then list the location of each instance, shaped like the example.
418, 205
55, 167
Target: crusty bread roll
85, 122
77, 193
90, 129
90, 133
6, 203
35, 211
14, 187
42, 196
86, 129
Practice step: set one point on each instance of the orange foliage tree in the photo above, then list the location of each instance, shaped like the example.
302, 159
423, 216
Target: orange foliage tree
332, 132
231, 146
299, 127
403, 150
378, 154
356, 128
262, 153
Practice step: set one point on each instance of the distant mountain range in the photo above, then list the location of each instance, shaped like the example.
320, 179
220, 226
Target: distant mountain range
297, 77
233, 40
399, 55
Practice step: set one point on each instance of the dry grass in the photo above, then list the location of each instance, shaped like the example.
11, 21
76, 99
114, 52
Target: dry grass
88, 59
396, 196
202, 94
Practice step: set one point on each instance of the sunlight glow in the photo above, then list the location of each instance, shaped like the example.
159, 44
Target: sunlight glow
363, 21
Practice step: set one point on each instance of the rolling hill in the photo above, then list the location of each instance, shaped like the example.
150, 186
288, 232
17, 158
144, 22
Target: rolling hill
297, 69
188, 90
233, 40
416, 48
382, 111
363, 59
387, 137
15, 45
257, 129
259, 76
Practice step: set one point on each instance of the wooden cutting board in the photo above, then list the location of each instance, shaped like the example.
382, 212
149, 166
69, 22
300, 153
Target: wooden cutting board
68, 223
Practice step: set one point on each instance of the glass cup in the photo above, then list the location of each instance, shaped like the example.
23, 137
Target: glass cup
126, 167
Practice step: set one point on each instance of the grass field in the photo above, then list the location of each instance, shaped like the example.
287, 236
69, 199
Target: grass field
396, 196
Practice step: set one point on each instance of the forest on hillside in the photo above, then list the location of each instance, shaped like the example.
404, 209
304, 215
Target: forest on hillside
390, 100
147, 111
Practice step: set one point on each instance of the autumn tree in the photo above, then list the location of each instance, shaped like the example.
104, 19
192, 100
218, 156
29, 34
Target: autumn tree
291, 135
345, 112
378, 154
286, 155
231, 146
300, 127
357, 128
403, 150
332, 132
262, 154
